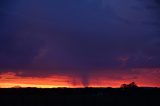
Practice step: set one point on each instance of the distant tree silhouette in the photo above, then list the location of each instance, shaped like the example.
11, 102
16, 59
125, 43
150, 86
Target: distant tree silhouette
123, 86
17, 86
131, 85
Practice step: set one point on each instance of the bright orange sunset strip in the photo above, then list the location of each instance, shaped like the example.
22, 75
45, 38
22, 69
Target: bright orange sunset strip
143, 77
10, 79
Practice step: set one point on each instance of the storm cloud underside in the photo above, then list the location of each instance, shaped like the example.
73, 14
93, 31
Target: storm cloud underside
42, 38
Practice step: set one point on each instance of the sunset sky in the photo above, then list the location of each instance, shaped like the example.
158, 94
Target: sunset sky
79, 43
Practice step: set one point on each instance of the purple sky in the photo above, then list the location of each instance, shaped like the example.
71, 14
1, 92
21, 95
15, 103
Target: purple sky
78, 36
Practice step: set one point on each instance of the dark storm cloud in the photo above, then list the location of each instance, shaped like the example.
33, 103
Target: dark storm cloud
75, 36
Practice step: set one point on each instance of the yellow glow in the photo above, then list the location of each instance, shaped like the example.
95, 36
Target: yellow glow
144, 77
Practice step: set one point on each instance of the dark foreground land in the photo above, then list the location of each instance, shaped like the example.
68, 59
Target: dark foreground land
80, 97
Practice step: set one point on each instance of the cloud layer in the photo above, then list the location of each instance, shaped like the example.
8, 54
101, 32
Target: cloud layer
41, 38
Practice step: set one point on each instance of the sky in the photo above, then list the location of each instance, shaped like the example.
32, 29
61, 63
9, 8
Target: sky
79, 43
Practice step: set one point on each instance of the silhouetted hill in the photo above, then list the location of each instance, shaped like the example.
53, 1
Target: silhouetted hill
80, 97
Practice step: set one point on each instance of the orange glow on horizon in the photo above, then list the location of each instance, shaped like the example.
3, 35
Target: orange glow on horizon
10, 79
143, 77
